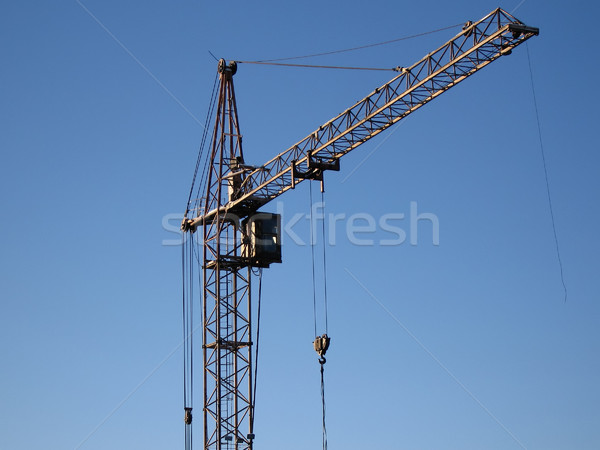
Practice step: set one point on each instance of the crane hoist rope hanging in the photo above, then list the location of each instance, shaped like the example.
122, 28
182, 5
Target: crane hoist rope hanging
201, 160
187, 262
259, 273
324, 263
321, 343
313, 243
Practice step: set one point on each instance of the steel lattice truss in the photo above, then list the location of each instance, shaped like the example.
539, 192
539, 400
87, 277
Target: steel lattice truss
226, 294
475, 47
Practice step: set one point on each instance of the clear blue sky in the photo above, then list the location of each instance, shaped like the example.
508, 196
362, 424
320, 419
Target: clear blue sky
98, 146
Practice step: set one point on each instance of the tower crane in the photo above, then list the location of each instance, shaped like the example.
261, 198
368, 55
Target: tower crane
235, 237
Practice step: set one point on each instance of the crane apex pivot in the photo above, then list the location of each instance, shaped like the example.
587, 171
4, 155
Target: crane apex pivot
222, 67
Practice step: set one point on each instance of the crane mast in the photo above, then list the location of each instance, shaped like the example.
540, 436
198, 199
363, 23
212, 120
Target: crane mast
226, 310
233, 231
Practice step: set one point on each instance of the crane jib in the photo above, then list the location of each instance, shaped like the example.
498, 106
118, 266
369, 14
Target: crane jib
477, 45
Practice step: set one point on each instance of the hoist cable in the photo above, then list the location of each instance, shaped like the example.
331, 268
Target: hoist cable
183, 310
257, 348
188, 363
324, 263
202, 147
312, 252
203, 178
191, 321
188, 254
322, 361
319, 340
187, 269
539, 128
360, 47
202, 185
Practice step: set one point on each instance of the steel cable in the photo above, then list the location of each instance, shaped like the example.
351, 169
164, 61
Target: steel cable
539, 129
188, 363
201, 149
256, 350
324, 265
312, 252
322, 361
359, 47
315, 66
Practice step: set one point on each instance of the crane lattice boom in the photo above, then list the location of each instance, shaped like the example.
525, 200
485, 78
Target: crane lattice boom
477, 45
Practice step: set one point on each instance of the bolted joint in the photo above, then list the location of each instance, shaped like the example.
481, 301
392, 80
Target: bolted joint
468, 28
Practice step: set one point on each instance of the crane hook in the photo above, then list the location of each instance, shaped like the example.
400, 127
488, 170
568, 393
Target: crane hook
321, 344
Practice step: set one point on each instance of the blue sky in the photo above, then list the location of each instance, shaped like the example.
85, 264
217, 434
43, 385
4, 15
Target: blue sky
467, 344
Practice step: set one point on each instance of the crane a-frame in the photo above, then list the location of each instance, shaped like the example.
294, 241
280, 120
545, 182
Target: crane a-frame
236, 237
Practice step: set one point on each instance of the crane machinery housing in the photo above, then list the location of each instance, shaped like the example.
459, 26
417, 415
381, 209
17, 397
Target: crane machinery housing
235, 237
